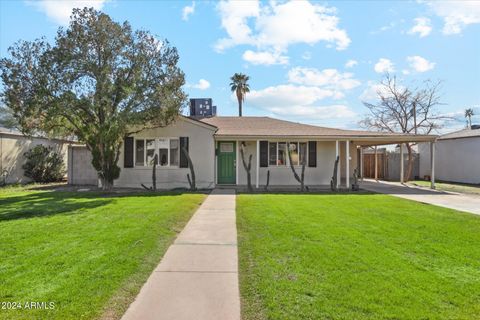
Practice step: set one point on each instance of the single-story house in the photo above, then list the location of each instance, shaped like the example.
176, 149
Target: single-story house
213, 143
457, 156
13, 144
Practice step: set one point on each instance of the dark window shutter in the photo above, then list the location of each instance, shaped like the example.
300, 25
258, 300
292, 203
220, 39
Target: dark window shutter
128, 152
263, 153
183, 158
312, 153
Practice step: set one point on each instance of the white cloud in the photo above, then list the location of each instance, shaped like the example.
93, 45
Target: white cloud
60, 11
234, 15
307, 55
273, 27
351, 63
373, 90
301, 101
330, 79
264, 57
187, 11
337, 111
288, 95
304, 92
420, 64
202, 84
457, 15
391, 25
422, 27
384, 65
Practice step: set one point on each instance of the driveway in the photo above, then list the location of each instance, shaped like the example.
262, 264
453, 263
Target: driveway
461, 202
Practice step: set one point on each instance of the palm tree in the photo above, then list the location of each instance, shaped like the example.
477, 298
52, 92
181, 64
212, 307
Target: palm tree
240, 85
469, 115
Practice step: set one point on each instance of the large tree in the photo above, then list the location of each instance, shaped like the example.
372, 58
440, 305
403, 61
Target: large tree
404, 109
240, 86
99, 81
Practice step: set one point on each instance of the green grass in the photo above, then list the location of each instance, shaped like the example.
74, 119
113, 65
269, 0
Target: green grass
356, 257
450, 186
89, 253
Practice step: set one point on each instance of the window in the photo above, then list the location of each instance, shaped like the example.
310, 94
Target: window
167, 151
277, 153
226, 147
150, 151
282, 154
293, 147
140, 152
303, 152
272, 154
174, 152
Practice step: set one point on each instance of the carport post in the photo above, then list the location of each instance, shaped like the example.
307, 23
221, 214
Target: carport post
376, 164
258, 164
347, 164
432, 165
401, 162
338, 168
361, 163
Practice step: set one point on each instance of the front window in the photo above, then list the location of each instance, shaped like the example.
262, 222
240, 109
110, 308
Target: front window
174, 152
140, 152
303, 152
293, 147
150, 151
166, 150
277, 153
272, 150
282, 154
163, 145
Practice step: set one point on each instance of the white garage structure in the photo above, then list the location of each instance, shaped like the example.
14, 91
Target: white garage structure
457, 157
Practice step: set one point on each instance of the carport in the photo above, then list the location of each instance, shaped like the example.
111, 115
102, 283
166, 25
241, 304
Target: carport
401, 140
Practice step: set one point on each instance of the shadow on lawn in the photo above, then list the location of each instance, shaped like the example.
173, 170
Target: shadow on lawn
44, 204
48, 203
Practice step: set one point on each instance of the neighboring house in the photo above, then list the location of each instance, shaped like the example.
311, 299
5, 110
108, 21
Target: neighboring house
213, 144
13, 144
457, 156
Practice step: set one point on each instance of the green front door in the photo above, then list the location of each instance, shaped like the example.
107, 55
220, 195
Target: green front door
226, 162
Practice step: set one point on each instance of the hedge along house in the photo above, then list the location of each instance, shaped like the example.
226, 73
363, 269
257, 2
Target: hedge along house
214, 142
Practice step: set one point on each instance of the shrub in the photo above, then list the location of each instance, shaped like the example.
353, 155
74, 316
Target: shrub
43, 164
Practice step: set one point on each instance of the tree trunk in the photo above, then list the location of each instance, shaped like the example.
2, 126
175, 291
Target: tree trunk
240, 102
410, 163
299, 179
191, 176
154, 173
106, 185
247, 167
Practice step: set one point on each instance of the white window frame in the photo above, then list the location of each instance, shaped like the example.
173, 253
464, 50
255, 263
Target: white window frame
287, 160
157, 145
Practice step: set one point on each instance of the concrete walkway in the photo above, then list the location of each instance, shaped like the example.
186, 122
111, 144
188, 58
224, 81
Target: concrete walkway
198, 276
462, 202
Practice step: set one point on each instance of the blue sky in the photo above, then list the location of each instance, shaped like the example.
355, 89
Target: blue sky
311, 62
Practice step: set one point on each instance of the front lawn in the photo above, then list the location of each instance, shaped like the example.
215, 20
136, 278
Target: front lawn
356, 257
88, 253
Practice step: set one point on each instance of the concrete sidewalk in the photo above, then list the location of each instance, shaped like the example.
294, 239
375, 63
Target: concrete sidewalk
198, 276
461, 202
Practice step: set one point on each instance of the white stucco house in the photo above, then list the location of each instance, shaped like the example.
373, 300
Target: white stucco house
457, 156
213, 143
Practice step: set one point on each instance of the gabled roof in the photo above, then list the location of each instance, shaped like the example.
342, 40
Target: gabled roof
465, 133
270, 127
